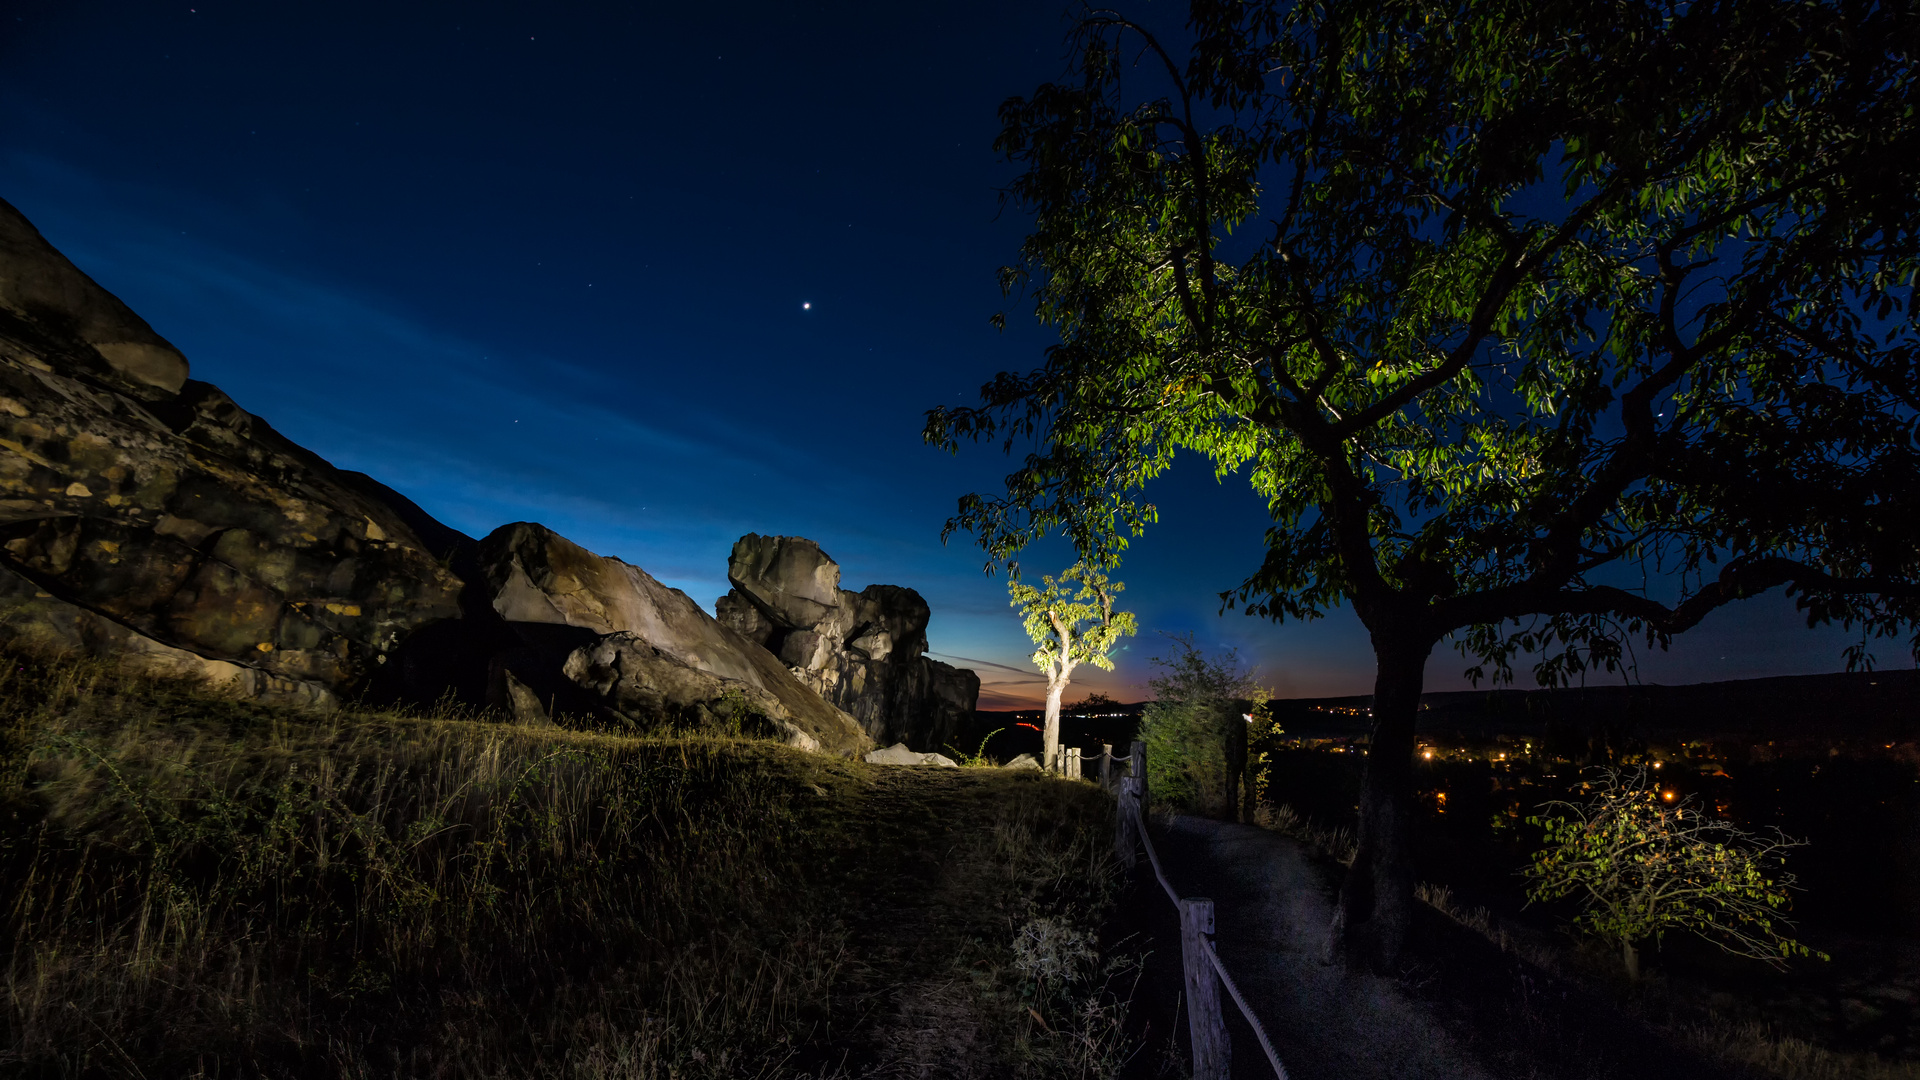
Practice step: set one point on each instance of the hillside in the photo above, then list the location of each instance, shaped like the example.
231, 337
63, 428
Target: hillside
1862, 704
199, 885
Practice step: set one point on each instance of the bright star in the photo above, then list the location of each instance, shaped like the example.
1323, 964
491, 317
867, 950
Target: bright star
808, 306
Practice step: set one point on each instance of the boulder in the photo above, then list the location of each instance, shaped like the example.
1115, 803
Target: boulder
519, 701
148, 516
863, 651
636, 647
793, 581
1024, 761
898, 754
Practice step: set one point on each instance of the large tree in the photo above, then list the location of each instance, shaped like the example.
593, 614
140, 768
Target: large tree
1540, 326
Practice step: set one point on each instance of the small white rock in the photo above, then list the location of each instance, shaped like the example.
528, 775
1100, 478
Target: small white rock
898, 754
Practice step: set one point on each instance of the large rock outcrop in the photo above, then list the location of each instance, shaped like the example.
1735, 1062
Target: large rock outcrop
863, 651
147, 516
634, 646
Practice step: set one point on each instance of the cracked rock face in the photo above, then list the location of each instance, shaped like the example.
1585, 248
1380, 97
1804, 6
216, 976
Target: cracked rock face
148, 515
863, 651
639, 648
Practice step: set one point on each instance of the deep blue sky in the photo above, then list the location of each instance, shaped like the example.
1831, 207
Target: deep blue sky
549, 262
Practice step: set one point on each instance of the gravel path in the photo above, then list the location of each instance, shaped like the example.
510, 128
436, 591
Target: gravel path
1272, 905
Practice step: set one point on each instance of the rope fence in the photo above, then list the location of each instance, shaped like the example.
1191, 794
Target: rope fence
1212, 1052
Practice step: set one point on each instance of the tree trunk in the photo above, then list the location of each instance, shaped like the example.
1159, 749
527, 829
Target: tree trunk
1376, 899
1234, 735
1050, 744
1631, 957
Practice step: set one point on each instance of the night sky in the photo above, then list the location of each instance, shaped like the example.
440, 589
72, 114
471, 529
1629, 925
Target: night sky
653, 276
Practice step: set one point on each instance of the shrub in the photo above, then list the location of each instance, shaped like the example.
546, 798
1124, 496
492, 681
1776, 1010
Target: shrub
1195, 726
1641, 865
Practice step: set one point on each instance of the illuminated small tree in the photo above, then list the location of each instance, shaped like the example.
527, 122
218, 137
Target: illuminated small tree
1071, 627
1642, 864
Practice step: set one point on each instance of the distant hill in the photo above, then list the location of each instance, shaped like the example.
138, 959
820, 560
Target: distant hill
1844, 705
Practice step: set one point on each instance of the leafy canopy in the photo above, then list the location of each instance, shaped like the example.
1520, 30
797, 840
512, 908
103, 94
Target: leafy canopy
1505, 308
1071, 619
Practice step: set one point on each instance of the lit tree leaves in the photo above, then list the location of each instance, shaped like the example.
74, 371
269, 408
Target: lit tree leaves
1641, 864
1505, 308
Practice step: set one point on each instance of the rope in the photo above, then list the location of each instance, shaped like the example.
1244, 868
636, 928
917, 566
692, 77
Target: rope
1279, 1070
1273, 1059
1154, 857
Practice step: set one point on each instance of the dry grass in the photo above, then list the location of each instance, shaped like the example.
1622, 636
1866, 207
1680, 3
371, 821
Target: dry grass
200, 887
1759, 1051
1335, 843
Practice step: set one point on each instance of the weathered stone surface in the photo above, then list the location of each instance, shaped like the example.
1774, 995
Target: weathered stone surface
637, 646
155, 504
35, 617
522, 705
898, 754
863, 651
1024, 761
794, 582
61, 318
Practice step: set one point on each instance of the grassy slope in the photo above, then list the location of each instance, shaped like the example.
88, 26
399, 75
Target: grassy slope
197, 886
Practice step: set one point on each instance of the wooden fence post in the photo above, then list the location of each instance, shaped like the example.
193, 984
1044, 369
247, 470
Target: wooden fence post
1212, 1053
1073, 763
1126, 826
1106, 766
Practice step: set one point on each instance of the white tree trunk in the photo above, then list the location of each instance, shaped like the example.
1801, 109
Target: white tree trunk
1050, 752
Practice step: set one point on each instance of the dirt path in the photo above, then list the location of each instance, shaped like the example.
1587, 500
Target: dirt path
1459, 1008
1272, 906
941, 866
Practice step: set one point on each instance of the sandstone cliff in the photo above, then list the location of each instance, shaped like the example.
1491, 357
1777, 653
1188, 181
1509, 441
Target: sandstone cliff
861, 651
146, 515
147, 518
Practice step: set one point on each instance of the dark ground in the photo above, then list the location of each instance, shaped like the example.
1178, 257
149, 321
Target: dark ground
1459, 1008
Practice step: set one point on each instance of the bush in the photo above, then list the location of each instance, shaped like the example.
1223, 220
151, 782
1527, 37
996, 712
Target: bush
1196, 726
1641, 865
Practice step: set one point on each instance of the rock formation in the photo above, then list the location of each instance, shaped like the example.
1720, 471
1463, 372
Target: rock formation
863, 651
633, 646
146, 516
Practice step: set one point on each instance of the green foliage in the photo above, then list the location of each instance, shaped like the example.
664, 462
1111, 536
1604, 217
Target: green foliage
1641, 865
1071, 619
1494, 304
1071, 627
978, 759
1198, 704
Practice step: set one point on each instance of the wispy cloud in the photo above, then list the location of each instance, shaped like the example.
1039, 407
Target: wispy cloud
1026, 674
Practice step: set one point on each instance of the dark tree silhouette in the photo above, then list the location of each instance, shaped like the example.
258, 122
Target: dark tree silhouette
1540, 326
